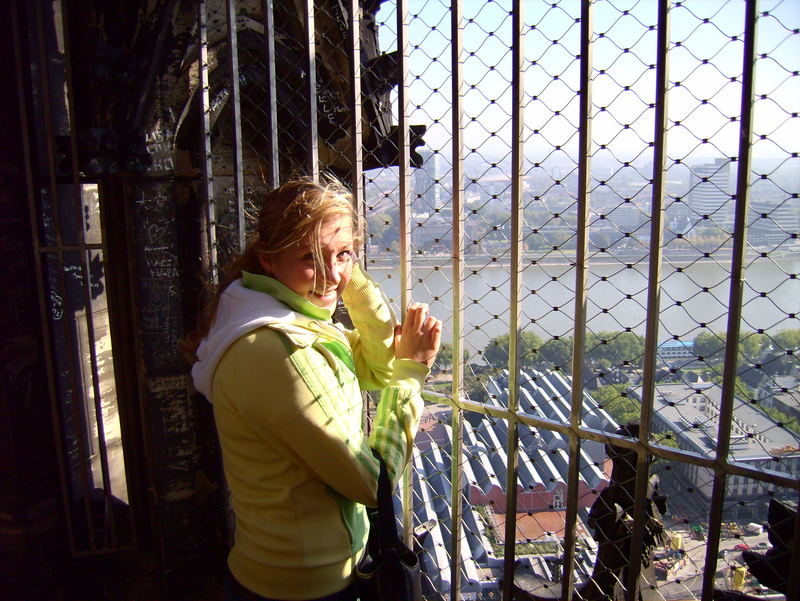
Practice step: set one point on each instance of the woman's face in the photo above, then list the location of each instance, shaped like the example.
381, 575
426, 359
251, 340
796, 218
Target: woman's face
295, 266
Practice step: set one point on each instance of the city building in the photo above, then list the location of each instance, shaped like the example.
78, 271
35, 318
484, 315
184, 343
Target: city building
772, 222
709, 197
675, 349
691, 415
541, 483
427, 189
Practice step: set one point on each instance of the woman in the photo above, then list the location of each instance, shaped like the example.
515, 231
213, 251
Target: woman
286, 386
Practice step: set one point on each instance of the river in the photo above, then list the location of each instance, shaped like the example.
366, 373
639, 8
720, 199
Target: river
616, 297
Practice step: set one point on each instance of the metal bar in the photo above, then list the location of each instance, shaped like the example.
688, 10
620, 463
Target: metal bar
311, 92
714, 532
356, 139
668, 453
793, 578
514, 331
741, 208
134, 320
653, 296
404, 200
47, 118
207, 164
581, 269
236, 120
49, 126
120, 322
44, 323
273, 164
457, 258
86, 284
403, 142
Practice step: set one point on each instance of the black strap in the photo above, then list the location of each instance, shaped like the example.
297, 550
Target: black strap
387, 527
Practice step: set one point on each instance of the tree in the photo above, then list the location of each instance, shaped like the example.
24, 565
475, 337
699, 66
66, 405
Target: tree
751, 345
496, 352
475, 387
740, 387
444, 360
620, 404
666, 439
556, 354
787, 340
782, 419
710, 346
615, 348
786, 355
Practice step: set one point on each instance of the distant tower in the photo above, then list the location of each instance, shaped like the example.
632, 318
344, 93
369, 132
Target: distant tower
708, 194
426, 186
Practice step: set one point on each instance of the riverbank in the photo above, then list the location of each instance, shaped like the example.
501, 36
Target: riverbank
472, 263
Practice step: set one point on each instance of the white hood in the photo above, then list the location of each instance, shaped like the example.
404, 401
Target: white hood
239, 312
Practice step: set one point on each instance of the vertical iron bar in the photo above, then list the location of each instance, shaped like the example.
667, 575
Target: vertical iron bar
207, 189
86, 284
457, 258
72, 352
793, 578
653, 290
405, 212
44, 323
236, 120
736, 288
581, 269
356, 140
403, 143
273, 164
311, 92
514, 331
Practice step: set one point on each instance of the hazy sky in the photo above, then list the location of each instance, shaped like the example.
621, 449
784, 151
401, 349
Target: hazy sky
705, 76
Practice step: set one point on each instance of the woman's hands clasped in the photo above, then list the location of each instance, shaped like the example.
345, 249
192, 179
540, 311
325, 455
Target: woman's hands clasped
419, 336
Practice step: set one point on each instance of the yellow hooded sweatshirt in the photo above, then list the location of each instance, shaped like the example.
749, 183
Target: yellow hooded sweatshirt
286, 387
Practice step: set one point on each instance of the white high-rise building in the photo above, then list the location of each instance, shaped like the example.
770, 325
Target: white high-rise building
427, 188
709, 197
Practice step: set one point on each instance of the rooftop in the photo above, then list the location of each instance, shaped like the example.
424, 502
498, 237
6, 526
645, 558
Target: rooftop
693, 412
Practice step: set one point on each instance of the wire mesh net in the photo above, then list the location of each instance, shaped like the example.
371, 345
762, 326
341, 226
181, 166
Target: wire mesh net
700, 183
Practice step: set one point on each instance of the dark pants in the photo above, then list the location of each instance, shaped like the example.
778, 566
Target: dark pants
234, 591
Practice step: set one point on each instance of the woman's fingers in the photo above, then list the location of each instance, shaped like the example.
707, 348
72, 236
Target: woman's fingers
420, 335
415, 316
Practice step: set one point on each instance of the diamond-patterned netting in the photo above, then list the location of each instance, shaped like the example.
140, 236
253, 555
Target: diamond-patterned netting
756, 533
552, 48
623, 114
704, 90
697, 244
705, 80
770, 326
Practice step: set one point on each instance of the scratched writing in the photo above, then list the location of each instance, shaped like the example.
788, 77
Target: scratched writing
155, 233
159, 145
168, 383
56, 306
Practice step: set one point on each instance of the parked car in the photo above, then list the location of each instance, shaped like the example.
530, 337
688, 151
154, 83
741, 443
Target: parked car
742, 547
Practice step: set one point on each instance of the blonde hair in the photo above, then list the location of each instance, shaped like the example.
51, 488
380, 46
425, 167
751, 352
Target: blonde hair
291, 214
